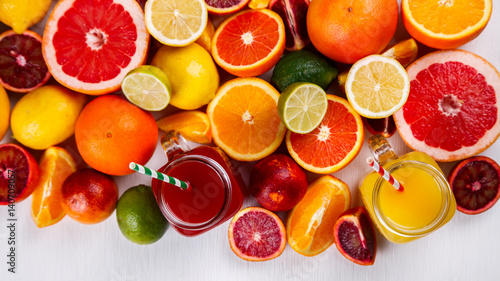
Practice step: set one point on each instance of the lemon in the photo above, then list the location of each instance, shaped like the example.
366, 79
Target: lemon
21, 14
192, 74
46, 116
4, 112
147, 87
302, 107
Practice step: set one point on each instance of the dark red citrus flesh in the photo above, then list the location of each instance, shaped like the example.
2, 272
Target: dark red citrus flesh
22, 67
223, 4
93, 48
293, 13
18, 169
384, 126
256, 234
355, 237
475, 183
450, 106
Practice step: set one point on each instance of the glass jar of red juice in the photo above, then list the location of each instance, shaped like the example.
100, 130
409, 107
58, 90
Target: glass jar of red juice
215, 191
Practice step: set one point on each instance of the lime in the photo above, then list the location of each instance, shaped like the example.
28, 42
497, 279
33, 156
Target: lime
147, 87
302, 107
303, 66
139, 217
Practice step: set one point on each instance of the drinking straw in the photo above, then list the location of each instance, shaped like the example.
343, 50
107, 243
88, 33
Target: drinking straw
157, 175
384, 173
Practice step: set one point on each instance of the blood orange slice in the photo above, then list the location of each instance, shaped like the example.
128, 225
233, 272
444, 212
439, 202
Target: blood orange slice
249, 43
90, 46
225, 7
22, 68
333, 144
452, 110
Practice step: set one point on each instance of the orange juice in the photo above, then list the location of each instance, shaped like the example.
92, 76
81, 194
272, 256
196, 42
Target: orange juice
425, 204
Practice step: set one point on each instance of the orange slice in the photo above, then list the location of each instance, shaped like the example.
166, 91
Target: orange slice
193, 125
249, 43
310, 223
333, 144
244, 119
56, 164
445, 24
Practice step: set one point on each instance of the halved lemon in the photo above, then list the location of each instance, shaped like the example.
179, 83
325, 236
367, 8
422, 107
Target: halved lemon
377, 86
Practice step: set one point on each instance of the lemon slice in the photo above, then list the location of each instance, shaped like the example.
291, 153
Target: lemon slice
147, 87
302, 107
176, 23
377, 86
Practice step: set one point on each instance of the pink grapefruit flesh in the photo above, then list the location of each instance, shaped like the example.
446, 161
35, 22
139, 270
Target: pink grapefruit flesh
89, 46
452, 110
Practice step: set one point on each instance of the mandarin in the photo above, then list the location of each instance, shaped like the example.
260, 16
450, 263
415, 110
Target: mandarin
348, 30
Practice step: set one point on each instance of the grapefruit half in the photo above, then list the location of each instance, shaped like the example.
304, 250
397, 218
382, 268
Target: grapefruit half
452, 111
89, 46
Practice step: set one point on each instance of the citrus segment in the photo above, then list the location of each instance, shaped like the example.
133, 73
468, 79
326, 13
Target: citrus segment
452, 24
377, 86
174, 22
452, 109
258, 4
333, 144
193, 125
147, 87
310, 223
249, 43
56, 164
89, 46
244, 119
224, 7
302, 107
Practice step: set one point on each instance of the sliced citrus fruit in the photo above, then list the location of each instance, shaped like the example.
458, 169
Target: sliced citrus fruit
258, 4
355, 237
452, 24
452, 111
302, 106
377, 86
19, 173
475, 183
147, 87
244, 119
56, 164
176, 23
225, 7
310, 223
249, 43
89, 46
193, 125
256, 234
333, 144
22, 68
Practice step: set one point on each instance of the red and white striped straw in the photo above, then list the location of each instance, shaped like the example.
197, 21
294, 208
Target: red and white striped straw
385, 175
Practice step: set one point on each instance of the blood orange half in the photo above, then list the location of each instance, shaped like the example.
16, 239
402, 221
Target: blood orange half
89, 46
333, 144
452, 110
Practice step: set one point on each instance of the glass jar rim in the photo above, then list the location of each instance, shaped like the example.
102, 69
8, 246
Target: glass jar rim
445, 192
175, 220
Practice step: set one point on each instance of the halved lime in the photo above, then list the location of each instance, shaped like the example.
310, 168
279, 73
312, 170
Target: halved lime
302, 106
147, 87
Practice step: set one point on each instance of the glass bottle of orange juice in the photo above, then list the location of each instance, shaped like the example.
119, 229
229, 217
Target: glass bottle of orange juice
425, 204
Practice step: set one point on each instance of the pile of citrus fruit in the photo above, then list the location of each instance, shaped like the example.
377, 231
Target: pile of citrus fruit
123, 70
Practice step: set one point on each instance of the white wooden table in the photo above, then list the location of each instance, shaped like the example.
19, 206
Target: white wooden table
467, 248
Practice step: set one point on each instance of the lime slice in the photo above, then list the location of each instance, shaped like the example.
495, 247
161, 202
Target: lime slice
147, 87
302, 106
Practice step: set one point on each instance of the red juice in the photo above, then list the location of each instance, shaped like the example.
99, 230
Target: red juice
214, 196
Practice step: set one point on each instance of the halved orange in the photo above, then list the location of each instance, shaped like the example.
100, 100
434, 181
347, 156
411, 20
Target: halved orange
310, 224
249, 43
193, 125
445, 24
333, 144
56, 164
244, 119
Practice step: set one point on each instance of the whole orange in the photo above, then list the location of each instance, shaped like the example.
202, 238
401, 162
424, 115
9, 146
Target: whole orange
348, 30
111, 132
89, 196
